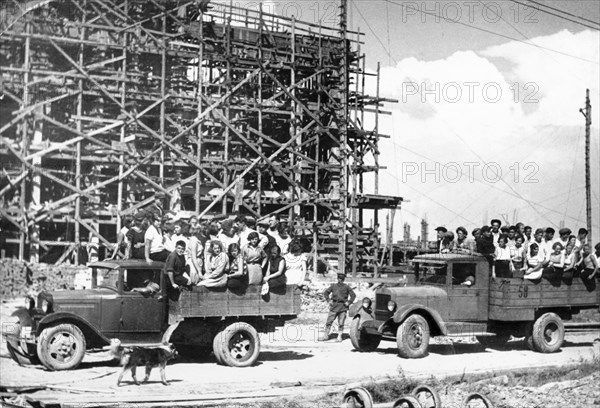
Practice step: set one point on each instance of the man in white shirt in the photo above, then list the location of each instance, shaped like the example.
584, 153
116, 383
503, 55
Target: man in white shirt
512, 232
581, 238
563, 235
496, 224
155, 250
548, 241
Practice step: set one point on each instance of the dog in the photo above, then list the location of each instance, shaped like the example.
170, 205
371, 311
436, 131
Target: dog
131, 357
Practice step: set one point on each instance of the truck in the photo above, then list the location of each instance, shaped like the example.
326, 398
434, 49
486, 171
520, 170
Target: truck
129, 300
454, 295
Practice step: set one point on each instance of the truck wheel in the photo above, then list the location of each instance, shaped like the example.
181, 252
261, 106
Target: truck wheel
499, 339
427, 396
548, 333
61, 347
358, 398
477, 400
360, 340
412, 337
239, 345
407, 401
217, 349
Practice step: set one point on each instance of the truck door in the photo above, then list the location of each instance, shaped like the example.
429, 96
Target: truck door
467, 293
142, 306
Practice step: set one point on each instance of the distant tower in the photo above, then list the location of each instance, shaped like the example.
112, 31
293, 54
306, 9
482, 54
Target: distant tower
406, 233
424, 233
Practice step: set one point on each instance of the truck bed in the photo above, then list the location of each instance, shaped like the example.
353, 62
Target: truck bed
517, 299
217, 302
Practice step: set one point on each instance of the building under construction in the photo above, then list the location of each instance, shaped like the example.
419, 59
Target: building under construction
224, 109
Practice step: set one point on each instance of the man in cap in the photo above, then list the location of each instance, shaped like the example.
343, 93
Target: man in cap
485, 243
563, 235
463, 245
266, 241
441, 233
340, 296
495, 224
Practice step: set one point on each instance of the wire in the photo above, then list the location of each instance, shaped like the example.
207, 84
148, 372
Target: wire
561, 11
495, 33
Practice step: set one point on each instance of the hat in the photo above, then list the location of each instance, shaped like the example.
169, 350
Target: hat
564, 231
495, 220
139, 216
463, 229
475, 231
550, 230
485, 228
539, 231
263, 222
341, 275
443, 229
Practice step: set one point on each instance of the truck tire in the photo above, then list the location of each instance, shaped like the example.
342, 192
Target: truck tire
358, 397
217, 349
239, 345
407, 401
61, 347
360, 340
498, 340
427, 396
548, 333
412, 337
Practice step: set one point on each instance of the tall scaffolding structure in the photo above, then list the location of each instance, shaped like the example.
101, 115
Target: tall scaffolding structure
224, 109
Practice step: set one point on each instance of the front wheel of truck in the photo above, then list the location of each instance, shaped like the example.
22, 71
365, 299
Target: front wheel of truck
548, 333
239, 345
61, 347
360, 340
412, 337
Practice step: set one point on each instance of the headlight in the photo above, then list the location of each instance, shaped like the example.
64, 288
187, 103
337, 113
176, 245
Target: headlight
45, 306
391, 305
366, 303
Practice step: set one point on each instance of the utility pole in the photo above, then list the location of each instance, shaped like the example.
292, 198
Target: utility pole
587, 113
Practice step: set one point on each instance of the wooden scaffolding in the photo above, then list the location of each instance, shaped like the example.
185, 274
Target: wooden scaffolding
223, 109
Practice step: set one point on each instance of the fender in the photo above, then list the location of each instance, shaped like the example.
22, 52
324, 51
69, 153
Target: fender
24, 316
436, 323
93, 337
355, 309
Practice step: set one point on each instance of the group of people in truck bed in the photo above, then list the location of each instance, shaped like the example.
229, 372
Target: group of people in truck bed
519, 251
231, 253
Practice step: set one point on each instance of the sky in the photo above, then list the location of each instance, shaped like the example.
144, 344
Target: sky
487, 123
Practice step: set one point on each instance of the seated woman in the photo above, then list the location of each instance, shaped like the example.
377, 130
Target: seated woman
517, 254
295, 264
535, 263
275, 276
255, 258
556, 263
237, 276
502, 259
216, 266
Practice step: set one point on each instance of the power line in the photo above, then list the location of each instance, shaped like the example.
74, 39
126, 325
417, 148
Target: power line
494, 33
563, 12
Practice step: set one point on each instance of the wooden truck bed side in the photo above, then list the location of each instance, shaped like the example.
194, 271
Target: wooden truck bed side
203, 302
518, 299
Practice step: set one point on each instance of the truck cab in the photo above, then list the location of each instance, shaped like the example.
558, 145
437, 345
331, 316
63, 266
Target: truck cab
453, 295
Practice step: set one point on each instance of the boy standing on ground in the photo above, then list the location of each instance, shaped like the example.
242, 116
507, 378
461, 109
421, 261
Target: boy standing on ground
342, 296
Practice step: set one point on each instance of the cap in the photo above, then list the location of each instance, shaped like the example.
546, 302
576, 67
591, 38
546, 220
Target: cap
475, 231
495, 220
564, 231
485, 228
443, 229
341, 275
139, 216
539, 231
550, 230
463, 229
263, 222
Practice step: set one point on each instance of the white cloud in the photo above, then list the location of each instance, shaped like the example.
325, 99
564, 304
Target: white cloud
543, 138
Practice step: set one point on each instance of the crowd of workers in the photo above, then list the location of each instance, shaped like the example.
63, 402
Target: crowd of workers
233, 252
519, 251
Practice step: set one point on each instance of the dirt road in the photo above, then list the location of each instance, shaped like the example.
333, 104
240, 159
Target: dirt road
291, 357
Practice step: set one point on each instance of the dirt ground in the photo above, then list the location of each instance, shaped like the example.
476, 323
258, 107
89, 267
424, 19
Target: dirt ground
293, 363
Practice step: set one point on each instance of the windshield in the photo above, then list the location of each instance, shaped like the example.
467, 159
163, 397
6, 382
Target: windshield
430, 272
